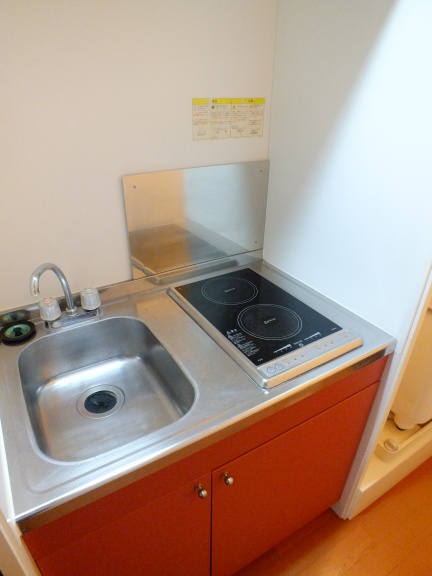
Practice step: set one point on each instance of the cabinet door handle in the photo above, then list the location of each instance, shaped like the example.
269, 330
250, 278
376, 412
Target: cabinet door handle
202, 492
229, 480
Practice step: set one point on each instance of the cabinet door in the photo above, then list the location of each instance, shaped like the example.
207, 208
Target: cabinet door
285, 483
169, 536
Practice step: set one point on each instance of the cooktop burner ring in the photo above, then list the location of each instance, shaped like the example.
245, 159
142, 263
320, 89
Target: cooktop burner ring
229, 291
269, 322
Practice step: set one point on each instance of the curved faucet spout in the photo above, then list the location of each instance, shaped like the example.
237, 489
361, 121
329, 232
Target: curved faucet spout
71, 309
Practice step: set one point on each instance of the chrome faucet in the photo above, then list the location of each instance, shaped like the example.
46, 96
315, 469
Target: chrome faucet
71, 309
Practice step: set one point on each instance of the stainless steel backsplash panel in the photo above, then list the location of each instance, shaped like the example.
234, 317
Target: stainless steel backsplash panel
181, 218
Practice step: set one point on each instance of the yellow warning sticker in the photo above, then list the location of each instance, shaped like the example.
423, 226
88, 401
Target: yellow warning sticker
214, 118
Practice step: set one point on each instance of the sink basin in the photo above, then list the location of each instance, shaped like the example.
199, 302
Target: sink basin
100, 386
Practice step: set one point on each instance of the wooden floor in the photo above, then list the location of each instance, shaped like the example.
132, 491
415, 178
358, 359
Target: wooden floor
391, 537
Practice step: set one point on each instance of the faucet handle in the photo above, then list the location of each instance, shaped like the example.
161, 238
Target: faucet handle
90, 299
49, 309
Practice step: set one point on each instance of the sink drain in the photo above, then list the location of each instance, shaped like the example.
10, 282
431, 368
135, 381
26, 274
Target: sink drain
100, 401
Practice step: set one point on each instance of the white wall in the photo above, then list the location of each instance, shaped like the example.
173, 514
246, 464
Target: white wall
92, 91
350, 199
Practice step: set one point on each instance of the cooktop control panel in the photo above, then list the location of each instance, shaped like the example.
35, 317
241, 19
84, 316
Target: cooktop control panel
310, 356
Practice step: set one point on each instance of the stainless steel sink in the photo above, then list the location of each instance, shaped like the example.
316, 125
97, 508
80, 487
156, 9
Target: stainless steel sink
99, 386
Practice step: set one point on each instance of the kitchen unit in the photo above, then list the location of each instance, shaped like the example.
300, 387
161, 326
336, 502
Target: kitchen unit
190, 490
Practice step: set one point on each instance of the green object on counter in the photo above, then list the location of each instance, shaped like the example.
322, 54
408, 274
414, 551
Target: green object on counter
17, 332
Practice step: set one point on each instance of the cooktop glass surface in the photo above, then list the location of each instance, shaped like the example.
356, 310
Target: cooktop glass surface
272, 329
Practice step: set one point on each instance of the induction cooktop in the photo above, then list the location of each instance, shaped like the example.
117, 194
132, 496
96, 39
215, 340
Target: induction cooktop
271, 334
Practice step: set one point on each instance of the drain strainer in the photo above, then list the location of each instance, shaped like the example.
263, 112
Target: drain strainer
100, 401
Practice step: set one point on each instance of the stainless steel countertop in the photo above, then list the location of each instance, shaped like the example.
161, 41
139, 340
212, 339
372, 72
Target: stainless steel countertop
226, 398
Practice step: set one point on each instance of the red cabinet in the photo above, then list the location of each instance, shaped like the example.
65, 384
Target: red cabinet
170, 535
282, 485
281, 472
